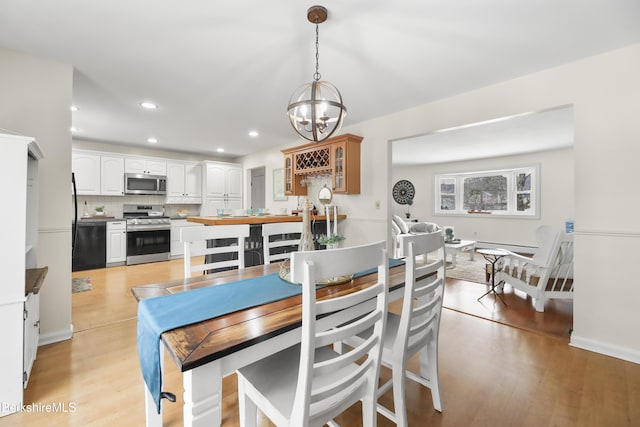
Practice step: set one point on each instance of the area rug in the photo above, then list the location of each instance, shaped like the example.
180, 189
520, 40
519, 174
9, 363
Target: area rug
466, 269
81, 284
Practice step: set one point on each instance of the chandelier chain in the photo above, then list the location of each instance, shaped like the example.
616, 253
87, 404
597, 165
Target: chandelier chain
317, 75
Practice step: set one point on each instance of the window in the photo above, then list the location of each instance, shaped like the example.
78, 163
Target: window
512, 192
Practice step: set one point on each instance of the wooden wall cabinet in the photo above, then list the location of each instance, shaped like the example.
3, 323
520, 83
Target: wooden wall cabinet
338, 156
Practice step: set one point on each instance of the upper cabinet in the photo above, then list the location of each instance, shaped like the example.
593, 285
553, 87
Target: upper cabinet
338, 157
223, 179
112, 176
184, 183
98, 173
146, 166
223, 187
86, 169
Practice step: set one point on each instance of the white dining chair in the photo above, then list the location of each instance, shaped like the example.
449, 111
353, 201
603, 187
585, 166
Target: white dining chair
416, 329
279, 239
309, 384
228, 247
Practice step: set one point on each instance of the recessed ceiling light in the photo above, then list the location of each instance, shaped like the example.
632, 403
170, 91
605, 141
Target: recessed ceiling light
149, 105
74, 108
152, 140
220, 150
253, 133
72, 129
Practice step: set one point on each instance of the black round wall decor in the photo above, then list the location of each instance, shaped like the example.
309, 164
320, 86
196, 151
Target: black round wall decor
403, 192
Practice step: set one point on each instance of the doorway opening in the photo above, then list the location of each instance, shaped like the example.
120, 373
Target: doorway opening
258, 188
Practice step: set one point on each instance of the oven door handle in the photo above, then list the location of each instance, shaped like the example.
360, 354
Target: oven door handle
160, 227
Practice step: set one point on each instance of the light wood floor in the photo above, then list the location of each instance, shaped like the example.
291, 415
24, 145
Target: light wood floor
491, 374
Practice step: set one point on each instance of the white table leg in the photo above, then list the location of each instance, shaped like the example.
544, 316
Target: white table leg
203, 395
453, 258
153, 418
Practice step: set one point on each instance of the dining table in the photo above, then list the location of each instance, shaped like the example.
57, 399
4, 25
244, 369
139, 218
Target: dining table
208, 350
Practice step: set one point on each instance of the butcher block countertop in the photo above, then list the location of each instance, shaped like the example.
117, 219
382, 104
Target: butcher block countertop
254, 219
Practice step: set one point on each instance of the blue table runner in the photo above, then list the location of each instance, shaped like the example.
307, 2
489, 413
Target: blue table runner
161, 314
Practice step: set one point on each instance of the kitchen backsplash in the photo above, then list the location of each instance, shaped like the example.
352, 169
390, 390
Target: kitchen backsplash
113, 205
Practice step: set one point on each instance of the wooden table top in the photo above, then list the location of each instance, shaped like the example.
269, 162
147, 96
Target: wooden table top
197, 344
255, 219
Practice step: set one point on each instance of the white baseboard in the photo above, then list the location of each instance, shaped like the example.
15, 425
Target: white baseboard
56, 337
513, 248
618, 352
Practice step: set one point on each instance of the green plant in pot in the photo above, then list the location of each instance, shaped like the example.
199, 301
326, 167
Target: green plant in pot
330, 241
99, 210
409, 203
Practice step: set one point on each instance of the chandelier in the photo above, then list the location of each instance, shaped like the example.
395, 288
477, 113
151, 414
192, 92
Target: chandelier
315, 109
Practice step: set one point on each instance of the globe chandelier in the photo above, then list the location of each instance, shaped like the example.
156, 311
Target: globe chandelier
315, 109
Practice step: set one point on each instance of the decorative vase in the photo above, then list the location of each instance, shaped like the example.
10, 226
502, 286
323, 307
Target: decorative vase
306, 239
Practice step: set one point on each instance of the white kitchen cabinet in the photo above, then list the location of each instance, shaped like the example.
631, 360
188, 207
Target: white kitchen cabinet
31, 333
223, 179
177, 248
223, 187
116, 242
86, 168
193, 181
184, 183
111, 176
144, 165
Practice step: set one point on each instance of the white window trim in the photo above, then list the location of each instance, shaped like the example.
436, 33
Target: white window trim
511, 173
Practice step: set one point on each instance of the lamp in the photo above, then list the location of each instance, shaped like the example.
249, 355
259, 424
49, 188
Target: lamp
315, 109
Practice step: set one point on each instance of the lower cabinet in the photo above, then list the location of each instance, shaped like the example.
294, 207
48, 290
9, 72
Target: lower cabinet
31, 333
177, 248
116, 242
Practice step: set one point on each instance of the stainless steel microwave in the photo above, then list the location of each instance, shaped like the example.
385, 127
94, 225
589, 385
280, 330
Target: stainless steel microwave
137, 183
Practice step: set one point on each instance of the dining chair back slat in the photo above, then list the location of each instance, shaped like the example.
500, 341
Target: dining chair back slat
279, 239
229, 253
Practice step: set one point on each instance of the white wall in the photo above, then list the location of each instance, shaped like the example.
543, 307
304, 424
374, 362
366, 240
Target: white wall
556, 196
36, 95
604, 93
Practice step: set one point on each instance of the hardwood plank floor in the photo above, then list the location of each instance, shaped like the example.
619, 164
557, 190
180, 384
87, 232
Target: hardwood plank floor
491, 374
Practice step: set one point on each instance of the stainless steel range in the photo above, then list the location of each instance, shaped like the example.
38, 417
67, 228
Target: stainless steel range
148, 233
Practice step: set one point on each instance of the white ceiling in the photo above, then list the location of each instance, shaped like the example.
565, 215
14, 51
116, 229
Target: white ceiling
220, 69
505, 136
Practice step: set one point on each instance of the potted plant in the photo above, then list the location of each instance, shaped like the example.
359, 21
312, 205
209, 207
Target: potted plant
99, 210
409, 203
331, 242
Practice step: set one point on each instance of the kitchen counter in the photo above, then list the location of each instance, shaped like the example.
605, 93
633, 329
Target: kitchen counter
254, 219
95, 217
